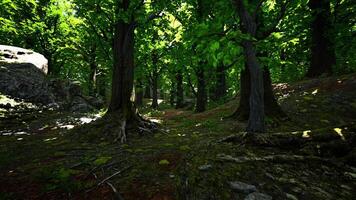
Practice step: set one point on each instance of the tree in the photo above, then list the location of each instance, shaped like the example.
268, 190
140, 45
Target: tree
256, 122
322, 48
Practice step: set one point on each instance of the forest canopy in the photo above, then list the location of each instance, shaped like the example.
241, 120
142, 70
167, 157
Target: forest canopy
201, 51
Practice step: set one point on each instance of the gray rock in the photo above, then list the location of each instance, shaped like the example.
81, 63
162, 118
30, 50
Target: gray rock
80, 105
258, 196
13, 54
25, 81
23, 76
242, 187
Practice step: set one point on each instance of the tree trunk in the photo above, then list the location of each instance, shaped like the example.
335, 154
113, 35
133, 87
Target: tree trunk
179, 90
147, 93
93, 71
155, 80
123, 72
139, 94
172, 94
272, 109
220, 87
256, 121
322, 48
243, 111
201, 93
122, 116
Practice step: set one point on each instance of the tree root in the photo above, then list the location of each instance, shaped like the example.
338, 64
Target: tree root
296, 139
114, 128
271, 158
326, 142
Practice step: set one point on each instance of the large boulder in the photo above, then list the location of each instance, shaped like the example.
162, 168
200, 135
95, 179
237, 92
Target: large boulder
11, 54
25, 81
23, 75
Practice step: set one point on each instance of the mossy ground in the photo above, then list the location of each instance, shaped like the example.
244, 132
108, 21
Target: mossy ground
182, 161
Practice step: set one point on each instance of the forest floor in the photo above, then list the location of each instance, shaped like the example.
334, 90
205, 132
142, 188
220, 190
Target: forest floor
189, 159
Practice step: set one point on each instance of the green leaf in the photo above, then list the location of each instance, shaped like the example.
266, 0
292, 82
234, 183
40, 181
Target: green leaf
102, 160
163, 162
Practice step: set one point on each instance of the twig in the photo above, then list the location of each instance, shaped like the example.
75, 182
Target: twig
114, 174
116, 193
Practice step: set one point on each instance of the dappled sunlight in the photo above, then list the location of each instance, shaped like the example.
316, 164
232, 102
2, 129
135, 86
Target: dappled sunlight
306, 134
15, 133
339, 132
50, 139
155, 120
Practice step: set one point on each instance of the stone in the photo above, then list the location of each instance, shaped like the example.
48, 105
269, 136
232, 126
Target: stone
23, 77
242, 187
258, 196
12, 54
25, 81
80, 105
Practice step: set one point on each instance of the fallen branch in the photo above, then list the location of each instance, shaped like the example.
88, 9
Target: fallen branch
116, 193
113, 175
276, 158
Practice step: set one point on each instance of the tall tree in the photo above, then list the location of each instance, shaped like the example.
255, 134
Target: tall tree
256, 122
121, 108
322, 47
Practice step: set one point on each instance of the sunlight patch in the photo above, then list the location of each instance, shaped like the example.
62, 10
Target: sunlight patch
69, 126
86, 120
339, 132
156, 121
315, 92
50, 139
306, 134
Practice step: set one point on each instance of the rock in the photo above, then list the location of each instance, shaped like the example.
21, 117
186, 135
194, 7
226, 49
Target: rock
80, 105
258, 196
25, 81
23, 76
13, 54
242, 187
95, 102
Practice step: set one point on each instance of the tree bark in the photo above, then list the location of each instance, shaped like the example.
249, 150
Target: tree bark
201, 92
155, 80
172, 94
93, 71
147, 93
243, 111
220, 87
256, 121
139, 94
179, 90
272, 109
322, 48
123, 72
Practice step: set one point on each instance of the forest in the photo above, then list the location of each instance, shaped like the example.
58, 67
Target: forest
178, 100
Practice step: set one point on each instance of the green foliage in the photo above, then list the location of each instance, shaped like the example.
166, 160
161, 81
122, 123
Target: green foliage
163, 162
76, 36
102, 160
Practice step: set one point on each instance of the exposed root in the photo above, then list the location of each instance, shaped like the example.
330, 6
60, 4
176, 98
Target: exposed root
271, 158
121, 135
327, 142
115, 127
117, 195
